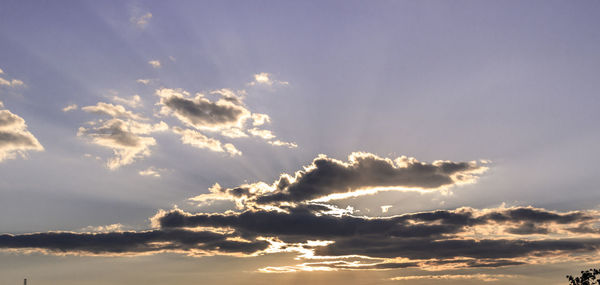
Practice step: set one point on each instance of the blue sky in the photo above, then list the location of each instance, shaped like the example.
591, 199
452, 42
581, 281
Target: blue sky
509, 85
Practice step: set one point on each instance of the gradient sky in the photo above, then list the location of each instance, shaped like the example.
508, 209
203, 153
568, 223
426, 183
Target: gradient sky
115, 112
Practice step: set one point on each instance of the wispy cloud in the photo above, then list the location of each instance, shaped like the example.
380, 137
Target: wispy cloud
260, 119
144, 81
265, 134
155, 63
478, 276
134, 101
265, 78
282, 143
10, 82
115, 111
141, 21
199, 140
151, 171
70, 107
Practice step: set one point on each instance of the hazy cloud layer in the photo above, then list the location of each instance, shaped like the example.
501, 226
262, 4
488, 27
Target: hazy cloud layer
15, 139
364, 173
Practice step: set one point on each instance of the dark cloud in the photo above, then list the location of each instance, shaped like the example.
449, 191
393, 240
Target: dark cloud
306, 224
419, 248
528, 229
354, 266
430, 239
385, 265
439, 236
202, 113
131, 242
483, 263
310, 222
326, 176
537, 216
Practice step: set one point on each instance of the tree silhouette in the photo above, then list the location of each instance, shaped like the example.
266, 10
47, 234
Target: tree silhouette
588, 277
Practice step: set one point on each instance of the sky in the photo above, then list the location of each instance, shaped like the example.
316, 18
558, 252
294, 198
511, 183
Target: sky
298, 142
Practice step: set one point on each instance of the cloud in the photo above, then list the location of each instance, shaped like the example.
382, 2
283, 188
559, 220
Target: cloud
479, 276
282, 143
363, 174
260, 119
432, 240
196, 243
144, 81
311, 222
295, 218
265, 134
233, 133
115, 111
292, 216
151, 171
10, 82
106, 228
70, 107
227, 115
15, 139
199, 140
229, 95
436, 240
124, 137
265, 78
133, 102
155, 63
142, 20
201, 113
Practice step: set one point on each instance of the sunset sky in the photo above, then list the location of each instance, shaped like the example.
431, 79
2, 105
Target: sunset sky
299, 142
